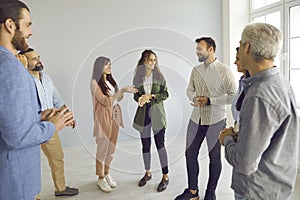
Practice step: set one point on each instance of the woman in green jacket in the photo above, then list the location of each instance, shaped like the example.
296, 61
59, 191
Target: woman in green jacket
152, 91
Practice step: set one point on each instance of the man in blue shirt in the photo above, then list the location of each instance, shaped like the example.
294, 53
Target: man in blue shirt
50, 98
264, 157
22, 126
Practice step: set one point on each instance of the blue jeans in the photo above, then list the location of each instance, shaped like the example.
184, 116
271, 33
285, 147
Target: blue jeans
195, 136
239, 197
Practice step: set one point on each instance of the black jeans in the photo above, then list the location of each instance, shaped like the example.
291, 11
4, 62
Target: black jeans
195, 136
159, 138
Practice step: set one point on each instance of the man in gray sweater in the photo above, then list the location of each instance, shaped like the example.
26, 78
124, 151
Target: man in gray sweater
264, 157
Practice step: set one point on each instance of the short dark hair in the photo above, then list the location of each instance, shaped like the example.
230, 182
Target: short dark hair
209, 42
11, 9
26, 51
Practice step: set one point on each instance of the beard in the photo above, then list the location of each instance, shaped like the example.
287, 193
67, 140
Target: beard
19, 42
37, 67
202, 58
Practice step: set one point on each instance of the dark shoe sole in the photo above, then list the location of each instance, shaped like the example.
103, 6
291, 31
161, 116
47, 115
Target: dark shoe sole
59, 195
68, 192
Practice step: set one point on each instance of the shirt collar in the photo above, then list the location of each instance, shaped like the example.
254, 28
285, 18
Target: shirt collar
258, 77
149, 77
212, 64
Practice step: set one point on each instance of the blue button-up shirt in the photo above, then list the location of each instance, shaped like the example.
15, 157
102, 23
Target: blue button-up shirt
47, 92
264, 158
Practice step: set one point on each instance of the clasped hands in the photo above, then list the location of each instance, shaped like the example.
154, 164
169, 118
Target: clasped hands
199, 101
144, 99
60, 117
227, 132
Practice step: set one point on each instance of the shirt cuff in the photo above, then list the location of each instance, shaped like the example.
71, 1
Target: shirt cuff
212, 101
227, 140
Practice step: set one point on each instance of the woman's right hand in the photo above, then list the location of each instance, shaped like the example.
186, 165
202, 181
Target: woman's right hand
144, 99
130, 89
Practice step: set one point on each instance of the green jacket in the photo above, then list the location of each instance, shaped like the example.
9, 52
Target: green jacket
157, 110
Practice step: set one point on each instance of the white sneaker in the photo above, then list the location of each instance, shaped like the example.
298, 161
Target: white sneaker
103, 185
111, 181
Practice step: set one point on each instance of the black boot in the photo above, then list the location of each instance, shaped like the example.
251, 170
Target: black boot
210, 195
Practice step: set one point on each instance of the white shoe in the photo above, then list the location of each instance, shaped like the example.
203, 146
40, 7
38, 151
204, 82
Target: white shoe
111, 181
103, 185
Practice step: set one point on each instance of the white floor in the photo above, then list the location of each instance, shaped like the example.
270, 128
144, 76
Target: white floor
127, 169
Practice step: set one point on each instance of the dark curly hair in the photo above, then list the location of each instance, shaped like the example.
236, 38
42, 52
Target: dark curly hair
140, 70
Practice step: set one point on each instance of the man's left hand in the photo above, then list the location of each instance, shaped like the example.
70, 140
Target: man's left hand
224, 133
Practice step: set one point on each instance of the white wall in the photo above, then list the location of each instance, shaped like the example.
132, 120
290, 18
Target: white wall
299, 147
70, 34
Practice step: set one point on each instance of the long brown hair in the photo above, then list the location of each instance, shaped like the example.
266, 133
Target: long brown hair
98, 75
140, 70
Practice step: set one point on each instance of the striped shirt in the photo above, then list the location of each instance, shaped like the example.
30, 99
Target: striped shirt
148, 83
216, 82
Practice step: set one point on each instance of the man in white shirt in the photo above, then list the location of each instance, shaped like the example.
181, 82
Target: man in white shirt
211, 87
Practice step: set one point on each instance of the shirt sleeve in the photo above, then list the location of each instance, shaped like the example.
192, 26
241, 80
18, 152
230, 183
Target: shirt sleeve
191, 91
20, 124
257, 128
229, 87
57, 99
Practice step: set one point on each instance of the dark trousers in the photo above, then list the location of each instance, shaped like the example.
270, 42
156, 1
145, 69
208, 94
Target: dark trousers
159, 138
195, 136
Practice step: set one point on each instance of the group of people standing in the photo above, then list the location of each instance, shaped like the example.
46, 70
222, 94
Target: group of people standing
259, 108
211, 87
262, 147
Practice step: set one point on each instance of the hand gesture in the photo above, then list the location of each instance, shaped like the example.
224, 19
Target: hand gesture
195, 102
72, 122
47, 114
144, 99
130, 89
203, 101
22, 58
61, 118
226, 132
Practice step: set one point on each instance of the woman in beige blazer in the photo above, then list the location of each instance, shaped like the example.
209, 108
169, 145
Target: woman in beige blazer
107, 119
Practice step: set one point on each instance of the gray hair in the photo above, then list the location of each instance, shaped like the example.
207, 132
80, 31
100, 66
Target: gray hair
265, 40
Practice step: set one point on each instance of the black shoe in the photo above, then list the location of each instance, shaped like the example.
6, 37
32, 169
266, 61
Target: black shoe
187, 195
163, 185
210, 195
144, 180
67, 192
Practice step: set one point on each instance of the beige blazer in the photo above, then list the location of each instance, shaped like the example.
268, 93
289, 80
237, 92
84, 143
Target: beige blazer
104, 112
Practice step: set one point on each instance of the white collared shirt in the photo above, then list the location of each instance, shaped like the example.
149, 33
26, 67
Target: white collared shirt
216, 82
148, 84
